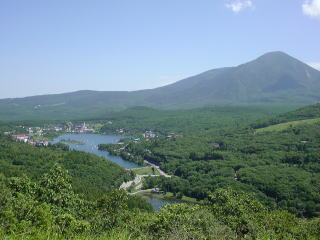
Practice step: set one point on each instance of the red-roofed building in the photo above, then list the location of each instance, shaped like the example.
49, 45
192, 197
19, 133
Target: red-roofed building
20, 137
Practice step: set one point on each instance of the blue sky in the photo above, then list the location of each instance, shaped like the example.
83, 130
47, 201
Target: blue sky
61, 46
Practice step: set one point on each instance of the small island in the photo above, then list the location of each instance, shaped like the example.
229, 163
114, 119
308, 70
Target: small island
72, 141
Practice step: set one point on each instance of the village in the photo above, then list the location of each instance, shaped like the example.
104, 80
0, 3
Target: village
40, 136
149, 134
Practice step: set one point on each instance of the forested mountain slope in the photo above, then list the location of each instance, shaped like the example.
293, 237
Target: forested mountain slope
281, 167
305, 113
91, 175
274, 78
49, 209
254, 185
137, 120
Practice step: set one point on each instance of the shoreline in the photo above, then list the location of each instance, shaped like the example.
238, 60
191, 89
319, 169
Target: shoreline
146, 194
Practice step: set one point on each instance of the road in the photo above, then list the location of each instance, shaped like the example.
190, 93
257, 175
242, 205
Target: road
138, 179
162, 173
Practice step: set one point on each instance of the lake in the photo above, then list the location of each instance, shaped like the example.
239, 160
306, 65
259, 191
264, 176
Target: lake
90, 145
158, 203
91, 142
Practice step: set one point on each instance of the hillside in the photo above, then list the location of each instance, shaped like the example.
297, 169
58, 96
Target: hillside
255, 186
274, 78
91, 175
281, 167
305, 113
137, 120
284, 126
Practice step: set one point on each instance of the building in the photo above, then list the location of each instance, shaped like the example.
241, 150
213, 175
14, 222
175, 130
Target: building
120, 130
42, 143
216, 145
83, 129
156, 191
149, 134
58, 129
31, 142
80, 128
20, 138
173, 135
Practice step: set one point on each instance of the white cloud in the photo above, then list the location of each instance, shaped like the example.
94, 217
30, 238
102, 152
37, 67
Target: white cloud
239, 5
315, 65
311, 8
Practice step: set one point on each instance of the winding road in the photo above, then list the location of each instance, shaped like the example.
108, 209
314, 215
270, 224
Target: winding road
162, 173
138, 179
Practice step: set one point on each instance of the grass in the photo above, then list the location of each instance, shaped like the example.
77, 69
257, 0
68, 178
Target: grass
57, 104
145, 171
121, 234
168, 196
283, 126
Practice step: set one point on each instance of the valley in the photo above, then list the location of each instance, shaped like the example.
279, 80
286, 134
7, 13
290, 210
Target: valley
137, 165
160, 120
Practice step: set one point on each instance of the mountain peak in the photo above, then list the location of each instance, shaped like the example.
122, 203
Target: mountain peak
274, 77
275, 55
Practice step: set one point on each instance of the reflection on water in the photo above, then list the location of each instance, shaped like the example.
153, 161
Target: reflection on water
91, 142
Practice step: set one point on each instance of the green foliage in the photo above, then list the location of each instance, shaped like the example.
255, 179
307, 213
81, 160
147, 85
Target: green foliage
145, 171
250, 219
282, 168
305, 113
227, 215
181, 221
91, 175
137, 120
236, 209
56, 190
112, 209
284, 126
50, 208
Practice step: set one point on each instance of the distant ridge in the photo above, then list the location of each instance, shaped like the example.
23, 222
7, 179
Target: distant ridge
273, 78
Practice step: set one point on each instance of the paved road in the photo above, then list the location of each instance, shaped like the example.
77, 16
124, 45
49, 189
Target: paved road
162, 173
139, 191
138, 179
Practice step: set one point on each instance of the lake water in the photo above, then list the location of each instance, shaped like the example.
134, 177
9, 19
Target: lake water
158, 203
91, 142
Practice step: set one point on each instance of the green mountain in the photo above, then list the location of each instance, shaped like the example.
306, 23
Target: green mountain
279, 161
308, 113
274, 78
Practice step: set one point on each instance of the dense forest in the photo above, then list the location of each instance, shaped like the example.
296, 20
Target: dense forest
309, 112
91, 175
192, 122
49, 209
281, 167
255, 180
